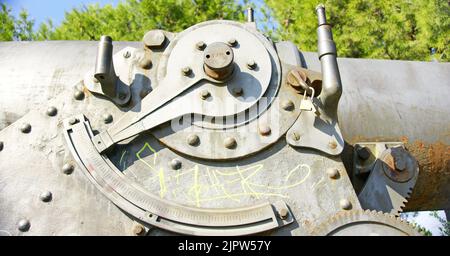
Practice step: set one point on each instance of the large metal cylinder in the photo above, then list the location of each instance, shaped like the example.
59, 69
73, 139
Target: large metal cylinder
381, 100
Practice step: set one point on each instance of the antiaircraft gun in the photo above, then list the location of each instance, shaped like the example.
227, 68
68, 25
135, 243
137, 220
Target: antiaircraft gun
217, 130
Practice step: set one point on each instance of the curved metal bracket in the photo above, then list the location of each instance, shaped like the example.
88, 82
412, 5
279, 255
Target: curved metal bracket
155, 211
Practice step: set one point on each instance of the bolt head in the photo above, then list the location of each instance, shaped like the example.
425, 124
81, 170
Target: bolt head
78, 95
284, 213
200, 45
68, 168
127, 54
175, 164
25, 128
73, 120
238, 91
107, 118
363, 153
46, 196
154, 39
186, 71
287, 105
295, 136
138, 230
204, 94
51, 111
333, 173
251, 64
23, 225
332, 144
193, 140
232, 42
264, 130
1, 145
345, 204
230, 142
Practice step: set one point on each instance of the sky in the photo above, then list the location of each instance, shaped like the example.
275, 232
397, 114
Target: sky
41, 10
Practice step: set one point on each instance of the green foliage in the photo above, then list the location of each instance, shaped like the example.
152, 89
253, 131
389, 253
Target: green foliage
445, 229
386, 29
131, 19
15, 29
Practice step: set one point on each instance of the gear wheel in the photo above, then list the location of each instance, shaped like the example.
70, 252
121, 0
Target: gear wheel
365, 223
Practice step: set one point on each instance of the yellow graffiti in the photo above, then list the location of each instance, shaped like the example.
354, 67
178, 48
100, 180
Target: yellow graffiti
197, 186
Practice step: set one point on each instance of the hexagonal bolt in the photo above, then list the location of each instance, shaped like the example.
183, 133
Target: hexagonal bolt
232, 42
107, 118
238, 91
51, 111
23, 225
251, 64
193, 140
204, 94
284, 213
200, 45
78, 95
345, 204
287, 105
230, 142
25, 128
333, 173
73, 120
127, 54
154, 39
138, 230
264, 130
68, 168
45, 196
1, 145
186, 71
175, 164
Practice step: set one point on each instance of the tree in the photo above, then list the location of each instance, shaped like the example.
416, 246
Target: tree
15, 29
386, 29
131, 19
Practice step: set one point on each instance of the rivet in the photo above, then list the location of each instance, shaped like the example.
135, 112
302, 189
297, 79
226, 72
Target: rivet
232, 42
264, 130
295, 136
230, 142
363, 153
68, 168
126, 54
25, 128
78, 95
332, 144
1, 145
46, 196
51, 111
333, 173
23, 225
204, 94
287, 105
284, 213
200, 45
73, 120
107, 118
175, 164
186, 71
237, 91
193, 140
251, 64
138, 230
345, 204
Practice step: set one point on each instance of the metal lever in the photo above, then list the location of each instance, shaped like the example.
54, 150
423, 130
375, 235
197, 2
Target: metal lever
104, 67
331, 82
